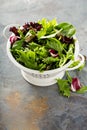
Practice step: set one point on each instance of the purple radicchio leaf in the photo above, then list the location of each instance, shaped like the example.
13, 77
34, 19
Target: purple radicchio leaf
53, 53
75, 85
14, 30
13, 39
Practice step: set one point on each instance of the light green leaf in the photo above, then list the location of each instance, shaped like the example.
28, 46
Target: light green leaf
33, 45
50, 60
47, 27
75, 63
64, 87
27, 58
82, 90
69, 78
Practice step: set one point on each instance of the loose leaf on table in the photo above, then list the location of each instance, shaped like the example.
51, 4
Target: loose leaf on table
64, 87
69, 78
83, 89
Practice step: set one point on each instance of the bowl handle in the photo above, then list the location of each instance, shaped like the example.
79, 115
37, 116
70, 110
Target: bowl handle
81, 63
6, 30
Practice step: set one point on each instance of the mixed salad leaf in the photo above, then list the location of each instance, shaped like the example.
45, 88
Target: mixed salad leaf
70, 84
46, 45
43, 45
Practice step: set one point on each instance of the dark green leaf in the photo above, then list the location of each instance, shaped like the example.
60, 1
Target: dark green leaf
67, 29
17, 45
55, 44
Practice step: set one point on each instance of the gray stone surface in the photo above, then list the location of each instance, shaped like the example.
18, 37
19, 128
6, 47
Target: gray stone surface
27, 107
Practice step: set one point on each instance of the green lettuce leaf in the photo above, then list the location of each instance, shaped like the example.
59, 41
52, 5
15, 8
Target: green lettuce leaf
50, 60
48, 27
27, 58
41, 52
64, 87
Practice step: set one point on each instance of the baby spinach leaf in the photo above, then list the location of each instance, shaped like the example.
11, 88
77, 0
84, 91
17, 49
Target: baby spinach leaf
17, 45
67, 29
55, 44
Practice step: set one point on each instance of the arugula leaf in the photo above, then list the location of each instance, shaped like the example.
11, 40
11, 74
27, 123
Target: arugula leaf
67, 29
64, 87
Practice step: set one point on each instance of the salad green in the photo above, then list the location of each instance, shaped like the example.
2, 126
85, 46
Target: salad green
65, 85
43, 45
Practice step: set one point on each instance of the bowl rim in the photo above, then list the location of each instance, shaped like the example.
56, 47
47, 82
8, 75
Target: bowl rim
28, 70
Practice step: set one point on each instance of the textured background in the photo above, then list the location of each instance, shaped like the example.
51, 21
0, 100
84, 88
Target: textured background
27, 107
